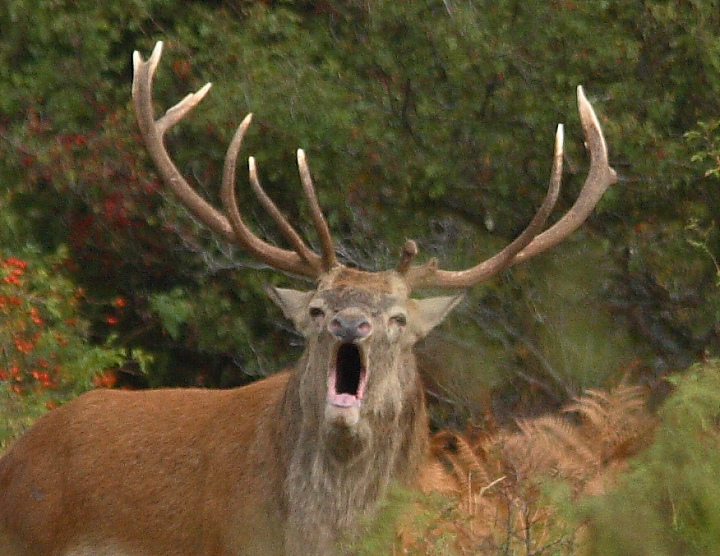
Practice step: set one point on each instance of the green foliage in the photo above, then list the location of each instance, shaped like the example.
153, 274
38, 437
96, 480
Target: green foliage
173, 309
45, 356
379, 534
703, 238
433, 524
409, 523
208, 319
701, 228
705, 140
431, 120
668, 503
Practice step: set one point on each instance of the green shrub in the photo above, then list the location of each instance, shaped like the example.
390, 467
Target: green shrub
45, 354
668, 504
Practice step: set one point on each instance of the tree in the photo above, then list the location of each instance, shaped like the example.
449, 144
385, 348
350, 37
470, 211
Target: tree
430, 120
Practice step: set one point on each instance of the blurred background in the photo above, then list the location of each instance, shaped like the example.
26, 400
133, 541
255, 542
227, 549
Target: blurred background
432, 120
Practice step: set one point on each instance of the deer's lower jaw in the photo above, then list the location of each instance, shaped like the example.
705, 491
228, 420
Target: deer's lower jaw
347, 377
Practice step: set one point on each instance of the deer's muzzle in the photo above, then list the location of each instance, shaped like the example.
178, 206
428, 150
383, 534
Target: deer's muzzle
350, 327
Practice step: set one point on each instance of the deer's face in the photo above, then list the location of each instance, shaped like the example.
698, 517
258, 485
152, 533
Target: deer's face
360, 329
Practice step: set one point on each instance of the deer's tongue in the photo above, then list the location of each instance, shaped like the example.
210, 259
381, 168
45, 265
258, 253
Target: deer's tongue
347, 377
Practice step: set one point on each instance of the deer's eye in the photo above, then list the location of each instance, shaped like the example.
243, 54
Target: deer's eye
399, 319
316, 312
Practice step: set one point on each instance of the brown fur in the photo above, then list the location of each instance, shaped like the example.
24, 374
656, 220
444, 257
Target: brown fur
351, 277
267, 469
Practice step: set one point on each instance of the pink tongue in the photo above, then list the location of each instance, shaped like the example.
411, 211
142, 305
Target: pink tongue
343, 400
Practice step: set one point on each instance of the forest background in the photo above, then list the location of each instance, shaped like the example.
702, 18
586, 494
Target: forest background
431, 120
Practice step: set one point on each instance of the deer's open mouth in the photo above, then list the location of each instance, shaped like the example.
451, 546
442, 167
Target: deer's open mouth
346, 383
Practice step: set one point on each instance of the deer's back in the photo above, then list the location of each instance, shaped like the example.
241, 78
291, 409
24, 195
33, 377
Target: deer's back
120, 464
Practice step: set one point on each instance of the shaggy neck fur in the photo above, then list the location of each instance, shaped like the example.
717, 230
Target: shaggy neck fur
336, 476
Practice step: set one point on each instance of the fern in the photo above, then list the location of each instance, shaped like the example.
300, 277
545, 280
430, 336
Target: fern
499, 480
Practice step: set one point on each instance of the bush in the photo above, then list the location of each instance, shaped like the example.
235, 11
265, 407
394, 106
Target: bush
45, 354
428, 119
668, 504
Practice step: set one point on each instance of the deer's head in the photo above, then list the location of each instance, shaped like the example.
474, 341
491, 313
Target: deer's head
359, 329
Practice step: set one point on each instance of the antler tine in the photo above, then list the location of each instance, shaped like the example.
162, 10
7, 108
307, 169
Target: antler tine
529, 243
308, 255
296, 262
600, 176
321, 226
232, 227
153, 135
429, 275
407, 255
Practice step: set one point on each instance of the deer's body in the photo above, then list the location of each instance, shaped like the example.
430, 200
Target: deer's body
285, 466
179, 456
263, 469
208, 466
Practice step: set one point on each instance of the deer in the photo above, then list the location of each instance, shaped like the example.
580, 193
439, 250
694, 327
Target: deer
289, 464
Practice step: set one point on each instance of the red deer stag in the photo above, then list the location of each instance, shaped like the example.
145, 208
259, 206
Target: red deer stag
285, 465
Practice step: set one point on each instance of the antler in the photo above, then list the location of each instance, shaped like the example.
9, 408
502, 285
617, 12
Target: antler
302, 260
530, 242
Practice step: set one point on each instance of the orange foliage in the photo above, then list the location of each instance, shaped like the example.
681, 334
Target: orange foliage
496, 478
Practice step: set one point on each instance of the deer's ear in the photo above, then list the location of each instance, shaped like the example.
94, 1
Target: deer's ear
292, 302
426, 314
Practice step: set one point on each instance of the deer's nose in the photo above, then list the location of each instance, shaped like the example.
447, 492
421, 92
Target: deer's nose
349, 328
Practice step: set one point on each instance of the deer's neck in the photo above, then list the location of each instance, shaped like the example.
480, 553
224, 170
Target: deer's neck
341, 473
